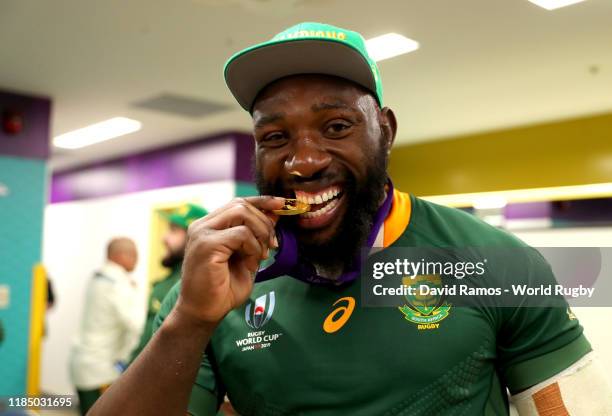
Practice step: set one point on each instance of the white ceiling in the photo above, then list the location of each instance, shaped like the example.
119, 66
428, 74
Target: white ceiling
483, 64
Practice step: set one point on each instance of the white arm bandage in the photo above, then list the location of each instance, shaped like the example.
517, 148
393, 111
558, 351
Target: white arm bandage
581, 389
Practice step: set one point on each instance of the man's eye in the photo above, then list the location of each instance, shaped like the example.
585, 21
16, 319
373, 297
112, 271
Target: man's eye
272, 137
337, 128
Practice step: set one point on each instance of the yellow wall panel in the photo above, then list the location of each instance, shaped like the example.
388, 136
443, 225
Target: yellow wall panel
572, 152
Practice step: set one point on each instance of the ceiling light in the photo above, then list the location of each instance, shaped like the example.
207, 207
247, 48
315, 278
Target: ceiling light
390, 45
4, 191
96, 133
554, 4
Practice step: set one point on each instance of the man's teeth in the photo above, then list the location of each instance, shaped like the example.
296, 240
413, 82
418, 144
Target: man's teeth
318, 198
328, 195
321, 211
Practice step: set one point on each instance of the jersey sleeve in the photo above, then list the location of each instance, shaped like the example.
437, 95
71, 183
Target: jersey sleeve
206, 394
536, 343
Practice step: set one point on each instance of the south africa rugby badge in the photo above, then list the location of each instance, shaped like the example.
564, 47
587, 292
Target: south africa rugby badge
424, 310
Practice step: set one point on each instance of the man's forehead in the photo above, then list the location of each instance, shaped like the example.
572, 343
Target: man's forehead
273, 112
310, 93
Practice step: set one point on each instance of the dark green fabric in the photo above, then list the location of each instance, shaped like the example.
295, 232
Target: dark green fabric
528, 373
202, 402
87, 398
379, 363
158, 292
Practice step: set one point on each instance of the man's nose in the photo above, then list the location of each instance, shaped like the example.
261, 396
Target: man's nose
307, 158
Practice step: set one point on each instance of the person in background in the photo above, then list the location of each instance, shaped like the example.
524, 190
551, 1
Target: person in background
50, 304
174, 240
50, 294
110, 326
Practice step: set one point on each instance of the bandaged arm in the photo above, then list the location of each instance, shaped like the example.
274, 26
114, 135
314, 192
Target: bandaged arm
581, 389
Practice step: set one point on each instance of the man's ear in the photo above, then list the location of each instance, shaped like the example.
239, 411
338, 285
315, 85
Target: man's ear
388, 126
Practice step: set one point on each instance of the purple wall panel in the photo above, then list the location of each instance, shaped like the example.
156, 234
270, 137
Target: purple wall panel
528, 210
584, 212
207, 159
245, 149
33, 140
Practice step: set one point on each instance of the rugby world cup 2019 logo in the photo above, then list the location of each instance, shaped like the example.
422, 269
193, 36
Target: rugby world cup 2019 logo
424, 309
258, 313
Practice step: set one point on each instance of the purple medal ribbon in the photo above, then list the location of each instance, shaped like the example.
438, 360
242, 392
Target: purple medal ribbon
287, 262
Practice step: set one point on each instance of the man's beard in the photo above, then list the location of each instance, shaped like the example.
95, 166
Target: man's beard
363, 200
173, 259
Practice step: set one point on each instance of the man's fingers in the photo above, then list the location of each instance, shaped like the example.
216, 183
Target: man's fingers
265, 205
245, 214
238, 240
250, 247
241, 211
269, 219
254, 212
266, 202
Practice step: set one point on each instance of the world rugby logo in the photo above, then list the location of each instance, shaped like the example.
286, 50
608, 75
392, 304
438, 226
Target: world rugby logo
259, 313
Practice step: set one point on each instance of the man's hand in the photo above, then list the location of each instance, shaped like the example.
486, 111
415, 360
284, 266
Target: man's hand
222, 255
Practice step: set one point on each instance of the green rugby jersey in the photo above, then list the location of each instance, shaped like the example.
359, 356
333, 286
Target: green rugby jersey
159, 291
301, 349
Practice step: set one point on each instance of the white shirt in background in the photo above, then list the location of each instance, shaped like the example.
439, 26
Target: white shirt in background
110, 328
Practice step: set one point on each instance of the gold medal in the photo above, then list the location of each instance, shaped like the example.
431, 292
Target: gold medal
292, 207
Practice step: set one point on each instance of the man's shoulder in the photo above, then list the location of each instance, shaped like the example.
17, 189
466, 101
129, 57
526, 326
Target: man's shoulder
104, 283
99, 276
438, 225
111, 277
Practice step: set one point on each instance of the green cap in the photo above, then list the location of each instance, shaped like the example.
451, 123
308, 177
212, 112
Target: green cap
306, 48
185, 215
